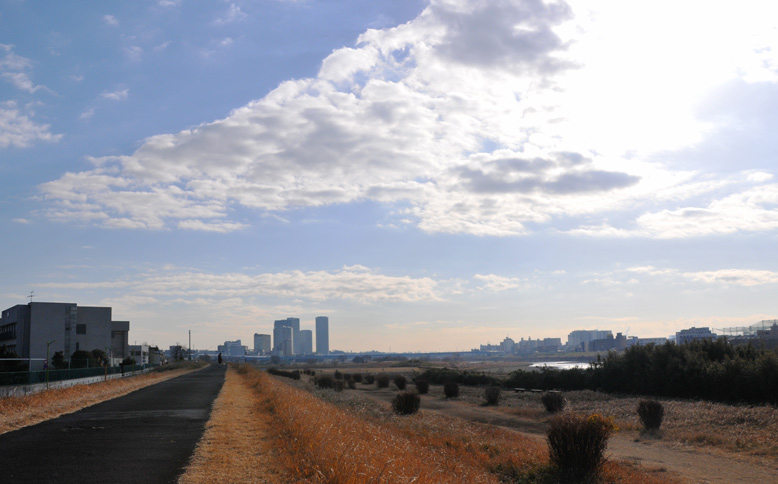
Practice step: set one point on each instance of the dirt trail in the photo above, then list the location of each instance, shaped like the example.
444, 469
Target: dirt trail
692, 465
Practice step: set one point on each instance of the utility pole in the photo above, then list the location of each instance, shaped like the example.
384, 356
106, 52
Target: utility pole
190, 345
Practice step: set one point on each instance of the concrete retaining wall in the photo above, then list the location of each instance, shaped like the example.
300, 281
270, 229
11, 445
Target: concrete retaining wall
18, 390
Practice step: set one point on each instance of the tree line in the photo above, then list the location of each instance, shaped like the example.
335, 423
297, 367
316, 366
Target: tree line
710, 370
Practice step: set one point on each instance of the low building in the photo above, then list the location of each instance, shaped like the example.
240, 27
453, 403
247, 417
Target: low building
233, 348
32, 330
694, 334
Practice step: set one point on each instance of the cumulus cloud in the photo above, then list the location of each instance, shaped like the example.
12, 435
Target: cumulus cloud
350, 283
19, 130
475, 117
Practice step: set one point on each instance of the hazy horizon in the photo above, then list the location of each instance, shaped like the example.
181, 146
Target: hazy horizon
430, 175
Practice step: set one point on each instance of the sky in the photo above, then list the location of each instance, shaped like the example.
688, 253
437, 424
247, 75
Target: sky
430, 175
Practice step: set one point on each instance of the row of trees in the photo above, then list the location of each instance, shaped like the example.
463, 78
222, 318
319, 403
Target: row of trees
79, 359
711, 370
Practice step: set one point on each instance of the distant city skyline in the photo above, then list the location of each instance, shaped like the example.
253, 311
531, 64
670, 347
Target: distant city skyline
429, 174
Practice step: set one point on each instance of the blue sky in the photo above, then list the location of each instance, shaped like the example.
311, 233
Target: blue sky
430, 175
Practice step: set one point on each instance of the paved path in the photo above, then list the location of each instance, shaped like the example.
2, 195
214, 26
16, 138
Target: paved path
144, 437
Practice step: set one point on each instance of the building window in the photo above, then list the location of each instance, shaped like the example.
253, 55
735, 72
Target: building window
81, 329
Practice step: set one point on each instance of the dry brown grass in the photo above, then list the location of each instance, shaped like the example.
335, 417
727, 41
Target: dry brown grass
346, 440
236, 446
23, 411
742, 429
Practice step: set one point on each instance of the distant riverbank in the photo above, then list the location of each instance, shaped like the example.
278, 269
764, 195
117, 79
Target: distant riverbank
561, 365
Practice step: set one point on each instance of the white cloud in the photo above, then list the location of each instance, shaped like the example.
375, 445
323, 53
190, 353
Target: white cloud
17, 129
351, 283
481, 118
724, 277
87, 114
21, 221
495, 283
118, 95
133, 53
233, 14
110, 20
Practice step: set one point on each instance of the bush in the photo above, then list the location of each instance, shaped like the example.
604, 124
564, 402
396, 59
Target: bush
382, 381
492, 395
357, 377
325, 381
406, 403
338, 375
451, 389
351, 384
422, 386
553, 401
369, 379
651, 414
339, 385
577, 444
400, 381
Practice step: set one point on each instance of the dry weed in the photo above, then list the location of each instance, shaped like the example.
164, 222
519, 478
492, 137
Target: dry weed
236, 445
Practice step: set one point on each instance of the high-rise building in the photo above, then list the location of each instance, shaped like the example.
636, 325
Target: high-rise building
261, 344
306, 342
322, 335
285, 338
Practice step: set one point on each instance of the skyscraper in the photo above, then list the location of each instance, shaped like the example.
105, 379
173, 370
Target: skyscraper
322, 335
306, 342
261, 344
286, 342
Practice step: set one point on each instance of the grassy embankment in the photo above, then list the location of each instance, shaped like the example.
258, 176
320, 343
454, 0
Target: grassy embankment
347, 440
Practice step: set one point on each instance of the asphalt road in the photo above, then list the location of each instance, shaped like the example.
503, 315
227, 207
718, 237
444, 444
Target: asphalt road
142, 438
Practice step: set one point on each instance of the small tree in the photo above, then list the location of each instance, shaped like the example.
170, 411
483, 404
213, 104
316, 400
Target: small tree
577, 445
451, 389
651, 414
400, 381
128, 361
422, 386
382, 381
553, 401
58, 361
81, 359
325, 381
406, 403
492, 395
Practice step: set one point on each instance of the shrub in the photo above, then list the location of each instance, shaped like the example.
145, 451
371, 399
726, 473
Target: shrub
451, 389
400, 381
577, 444
382, 381
339, 385
325, 381
357, 377
347, 376
338, 375
351, 384
422, 386
651, 414
553, 401
492, 395
406, 403
369, 379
